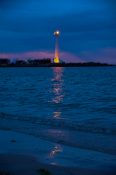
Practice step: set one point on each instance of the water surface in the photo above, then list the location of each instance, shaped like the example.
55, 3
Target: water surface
71, 106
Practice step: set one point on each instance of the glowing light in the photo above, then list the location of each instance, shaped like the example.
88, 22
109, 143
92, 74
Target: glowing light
56, 58
57, 33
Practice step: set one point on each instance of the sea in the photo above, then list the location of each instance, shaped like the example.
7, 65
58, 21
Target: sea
74, 108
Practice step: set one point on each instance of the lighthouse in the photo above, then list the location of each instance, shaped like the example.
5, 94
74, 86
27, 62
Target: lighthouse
56, 56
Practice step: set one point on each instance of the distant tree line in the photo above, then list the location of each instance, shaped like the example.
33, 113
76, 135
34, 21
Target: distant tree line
5, 62
46, 62
40, 61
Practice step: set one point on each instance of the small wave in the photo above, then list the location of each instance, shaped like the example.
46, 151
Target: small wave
90, 125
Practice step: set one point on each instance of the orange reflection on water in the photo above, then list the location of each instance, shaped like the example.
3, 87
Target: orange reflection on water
58, 73
57, 83
57, 90
58, 96
57, 149
58, 99
57, 114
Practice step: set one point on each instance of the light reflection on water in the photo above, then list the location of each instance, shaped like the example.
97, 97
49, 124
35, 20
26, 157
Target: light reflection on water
57, 89
54, 103
57, 114
57, 149
58, 96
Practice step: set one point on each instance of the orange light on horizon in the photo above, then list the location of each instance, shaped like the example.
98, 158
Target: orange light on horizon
56, 58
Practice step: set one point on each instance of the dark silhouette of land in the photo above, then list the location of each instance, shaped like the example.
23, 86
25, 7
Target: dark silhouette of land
47, 63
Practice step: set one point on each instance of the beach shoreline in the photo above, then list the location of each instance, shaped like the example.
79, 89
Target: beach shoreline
23, 154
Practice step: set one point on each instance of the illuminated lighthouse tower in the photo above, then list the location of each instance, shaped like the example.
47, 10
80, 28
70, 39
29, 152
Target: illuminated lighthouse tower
56, 58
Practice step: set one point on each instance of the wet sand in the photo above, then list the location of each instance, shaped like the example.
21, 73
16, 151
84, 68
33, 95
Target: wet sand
21, 154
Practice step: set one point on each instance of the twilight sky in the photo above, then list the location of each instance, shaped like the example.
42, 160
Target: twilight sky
88, 29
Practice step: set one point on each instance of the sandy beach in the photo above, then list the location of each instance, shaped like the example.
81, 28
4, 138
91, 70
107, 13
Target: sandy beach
22, 154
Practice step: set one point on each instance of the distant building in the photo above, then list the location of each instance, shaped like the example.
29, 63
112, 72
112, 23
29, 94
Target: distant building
20, 62
4, 61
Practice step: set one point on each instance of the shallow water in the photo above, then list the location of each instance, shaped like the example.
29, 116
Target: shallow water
59, 104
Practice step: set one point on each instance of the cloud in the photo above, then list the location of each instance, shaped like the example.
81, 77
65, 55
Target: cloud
65, 56
104, 55
28, 25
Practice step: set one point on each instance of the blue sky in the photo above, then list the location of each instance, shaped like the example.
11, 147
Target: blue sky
88, 28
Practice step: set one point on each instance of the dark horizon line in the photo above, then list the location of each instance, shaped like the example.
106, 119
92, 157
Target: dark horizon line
36, 61
87, 64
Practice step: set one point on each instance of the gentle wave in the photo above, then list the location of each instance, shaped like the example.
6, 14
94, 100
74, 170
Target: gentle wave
63, 134
89, 125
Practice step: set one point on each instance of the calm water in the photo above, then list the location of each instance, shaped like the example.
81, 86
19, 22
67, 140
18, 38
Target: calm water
58, 103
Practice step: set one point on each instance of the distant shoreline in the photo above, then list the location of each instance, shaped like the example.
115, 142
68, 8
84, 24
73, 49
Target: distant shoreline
89, 64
